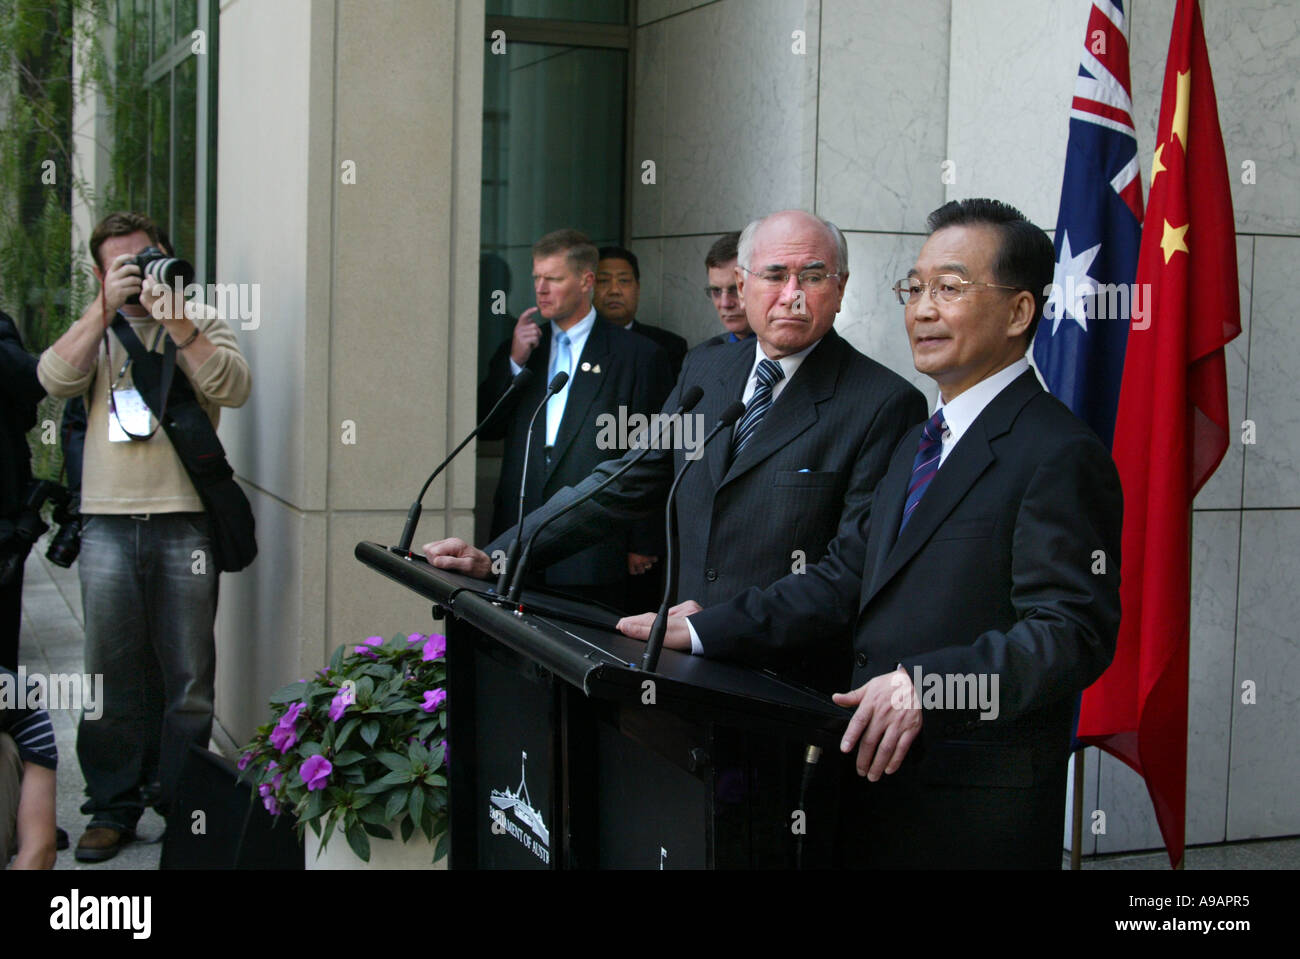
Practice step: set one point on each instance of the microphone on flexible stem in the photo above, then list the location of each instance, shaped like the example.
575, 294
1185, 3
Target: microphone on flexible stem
557, 384
688, 401
653, 646
521, 381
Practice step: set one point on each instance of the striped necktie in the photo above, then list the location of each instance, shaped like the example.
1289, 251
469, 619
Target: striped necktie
768, 374
925, 465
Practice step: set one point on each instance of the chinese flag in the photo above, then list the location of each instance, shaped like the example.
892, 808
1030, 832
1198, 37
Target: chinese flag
1172, 429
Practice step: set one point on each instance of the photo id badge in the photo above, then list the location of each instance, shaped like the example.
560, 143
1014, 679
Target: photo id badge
132, 416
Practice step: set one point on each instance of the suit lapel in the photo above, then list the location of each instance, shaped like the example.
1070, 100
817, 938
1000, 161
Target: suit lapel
583, 387
730, 388
956, 477
795, 410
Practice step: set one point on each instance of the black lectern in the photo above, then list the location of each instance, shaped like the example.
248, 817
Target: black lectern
566, 755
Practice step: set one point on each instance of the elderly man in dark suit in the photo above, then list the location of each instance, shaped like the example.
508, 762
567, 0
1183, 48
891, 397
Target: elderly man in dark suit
609, 370
982, 592
822, 420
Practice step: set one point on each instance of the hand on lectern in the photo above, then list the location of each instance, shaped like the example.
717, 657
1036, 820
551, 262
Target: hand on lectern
678, 634
459, 557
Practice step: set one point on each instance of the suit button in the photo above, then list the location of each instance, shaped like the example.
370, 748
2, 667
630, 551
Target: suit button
860, 660
711, 575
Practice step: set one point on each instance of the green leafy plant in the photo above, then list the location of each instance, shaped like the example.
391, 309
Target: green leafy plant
362, 746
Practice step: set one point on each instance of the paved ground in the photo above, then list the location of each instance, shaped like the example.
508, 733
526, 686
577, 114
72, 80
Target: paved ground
52, 641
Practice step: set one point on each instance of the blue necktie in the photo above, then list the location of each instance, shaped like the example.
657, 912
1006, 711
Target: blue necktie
561, 359
925, 465
768, 374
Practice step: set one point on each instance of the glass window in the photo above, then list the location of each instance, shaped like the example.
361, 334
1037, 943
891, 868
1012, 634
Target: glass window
584, 11
552, 157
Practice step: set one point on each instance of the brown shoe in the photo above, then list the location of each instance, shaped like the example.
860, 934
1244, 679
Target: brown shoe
100, 843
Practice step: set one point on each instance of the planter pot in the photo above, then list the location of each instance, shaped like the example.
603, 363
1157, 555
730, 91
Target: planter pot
384, 853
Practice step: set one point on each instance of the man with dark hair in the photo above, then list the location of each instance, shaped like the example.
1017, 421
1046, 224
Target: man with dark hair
20, 392
617, 296
148, 578
982, 592
722, 291
610, 369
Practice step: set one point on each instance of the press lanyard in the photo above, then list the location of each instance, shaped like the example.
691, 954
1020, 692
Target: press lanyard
169, 368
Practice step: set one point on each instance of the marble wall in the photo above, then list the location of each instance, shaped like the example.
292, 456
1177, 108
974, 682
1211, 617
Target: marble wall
328, 193
892, 109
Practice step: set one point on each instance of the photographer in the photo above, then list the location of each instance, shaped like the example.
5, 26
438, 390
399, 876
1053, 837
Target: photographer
20, 392
148, 580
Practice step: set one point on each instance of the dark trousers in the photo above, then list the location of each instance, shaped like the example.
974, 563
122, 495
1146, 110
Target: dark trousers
149, 590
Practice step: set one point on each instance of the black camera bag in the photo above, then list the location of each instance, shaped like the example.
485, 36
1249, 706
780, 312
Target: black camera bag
234, 543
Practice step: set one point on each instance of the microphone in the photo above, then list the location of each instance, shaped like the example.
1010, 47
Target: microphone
650, 659
689, 399
520, 382
557, 384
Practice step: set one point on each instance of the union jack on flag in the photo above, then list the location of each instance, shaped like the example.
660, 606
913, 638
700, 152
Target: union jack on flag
1080, 344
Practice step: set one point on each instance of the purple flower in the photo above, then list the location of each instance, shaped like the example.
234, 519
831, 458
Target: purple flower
271, 805
366, 643
435, 648
278, 779
433, 699
284, 735
344, 698
446, 751
414, 638
315, 772
244, 760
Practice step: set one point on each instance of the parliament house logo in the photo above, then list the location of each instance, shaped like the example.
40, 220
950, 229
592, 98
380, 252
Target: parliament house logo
505, 803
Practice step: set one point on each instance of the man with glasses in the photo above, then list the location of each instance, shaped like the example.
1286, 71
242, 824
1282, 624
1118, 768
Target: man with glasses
821, 422
723, 291
981, 595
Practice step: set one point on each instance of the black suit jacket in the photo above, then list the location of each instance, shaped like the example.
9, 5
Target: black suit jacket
811, 465
20, 393
666, 340
624, 370
1008, 568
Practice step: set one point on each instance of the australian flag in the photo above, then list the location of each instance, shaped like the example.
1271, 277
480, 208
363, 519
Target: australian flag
1079, 347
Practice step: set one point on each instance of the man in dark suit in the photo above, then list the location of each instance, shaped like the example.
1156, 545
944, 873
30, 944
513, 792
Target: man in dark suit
723, 292
752, 511
982, 593
20, 392
618, 295
609, 369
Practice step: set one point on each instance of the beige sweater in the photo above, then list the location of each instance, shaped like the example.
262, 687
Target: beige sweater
144, 477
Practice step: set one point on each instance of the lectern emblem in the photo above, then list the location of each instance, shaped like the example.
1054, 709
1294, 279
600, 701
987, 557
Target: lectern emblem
520, 803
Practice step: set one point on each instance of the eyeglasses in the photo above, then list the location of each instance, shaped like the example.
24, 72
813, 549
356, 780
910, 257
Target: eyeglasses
946, 287
807, 280
715, 293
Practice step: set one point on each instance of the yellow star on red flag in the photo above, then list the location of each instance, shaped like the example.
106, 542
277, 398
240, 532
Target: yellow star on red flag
1178, 128
1157, 167
1174, 239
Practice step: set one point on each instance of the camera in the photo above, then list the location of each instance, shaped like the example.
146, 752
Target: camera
20, 534
66, 543
156, 264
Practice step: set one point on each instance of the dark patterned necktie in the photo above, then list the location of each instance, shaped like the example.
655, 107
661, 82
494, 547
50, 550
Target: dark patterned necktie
768, 374
925, 465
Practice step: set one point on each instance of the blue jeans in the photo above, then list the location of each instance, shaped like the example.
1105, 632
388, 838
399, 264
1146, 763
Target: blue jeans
149, 591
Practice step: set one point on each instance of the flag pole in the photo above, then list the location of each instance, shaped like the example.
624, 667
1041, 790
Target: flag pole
1076, 820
